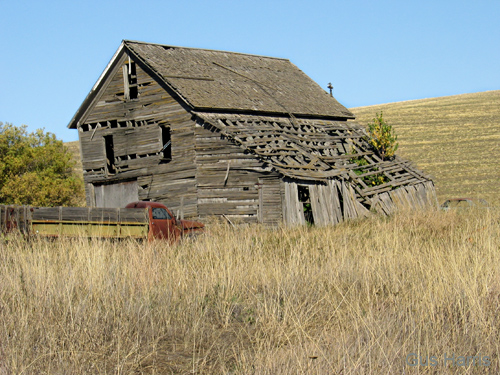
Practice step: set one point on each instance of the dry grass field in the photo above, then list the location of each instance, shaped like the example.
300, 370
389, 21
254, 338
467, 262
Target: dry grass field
375, 296
456, 139
356, 298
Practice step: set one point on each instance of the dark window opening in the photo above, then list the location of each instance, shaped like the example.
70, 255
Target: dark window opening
166, 150
341, 201
305, 199
130, 81
110, 153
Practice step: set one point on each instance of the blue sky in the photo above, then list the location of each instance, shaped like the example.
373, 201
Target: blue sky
373, 52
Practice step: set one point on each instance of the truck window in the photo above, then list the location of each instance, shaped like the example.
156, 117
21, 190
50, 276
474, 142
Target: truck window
160, 213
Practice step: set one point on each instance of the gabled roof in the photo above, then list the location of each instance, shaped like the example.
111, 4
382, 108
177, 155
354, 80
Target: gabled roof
227, 81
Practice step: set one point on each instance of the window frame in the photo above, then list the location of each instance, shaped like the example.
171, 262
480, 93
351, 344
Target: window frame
154, 210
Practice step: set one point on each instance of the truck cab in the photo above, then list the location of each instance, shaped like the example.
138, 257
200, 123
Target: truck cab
164, 225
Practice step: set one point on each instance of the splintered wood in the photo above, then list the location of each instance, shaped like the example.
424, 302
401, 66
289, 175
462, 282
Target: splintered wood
333, 159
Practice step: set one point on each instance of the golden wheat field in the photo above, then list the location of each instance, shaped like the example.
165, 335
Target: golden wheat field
376, 296
455, 139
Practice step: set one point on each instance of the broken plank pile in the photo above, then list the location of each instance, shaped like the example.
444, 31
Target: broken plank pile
324, 150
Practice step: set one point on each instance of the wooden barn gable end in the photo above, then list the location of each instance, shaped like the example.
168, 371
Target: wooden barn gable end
154, 127
137, 127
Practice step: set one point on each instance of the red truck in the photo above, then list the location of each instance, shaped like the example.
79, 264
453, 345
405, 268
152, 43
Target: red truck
141, 220
164, 225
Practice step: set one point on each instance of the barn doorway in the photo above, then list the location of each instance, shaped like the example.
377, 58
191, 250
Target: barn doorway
116, 195
305, 200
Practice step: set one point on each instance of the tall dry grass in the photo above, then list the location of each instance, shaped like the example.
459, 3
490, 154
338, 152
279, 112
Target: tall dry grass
352, 299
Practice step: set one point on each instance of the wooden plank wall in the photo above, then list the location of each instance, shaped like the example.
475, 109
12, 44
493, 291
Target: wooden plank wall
85, 214
325, 203
228, 179
352, 208
416, 196
136, 129
21, 215
270, 209
293, 210
14, 218
337, 201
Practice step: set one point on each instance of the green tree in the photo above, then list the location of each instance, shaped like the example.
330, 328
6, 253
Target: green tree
36, 169
382, 137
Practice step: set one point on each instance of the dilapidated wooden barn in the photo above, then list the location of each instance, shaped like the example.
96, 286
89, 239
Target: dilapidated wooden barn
220, 133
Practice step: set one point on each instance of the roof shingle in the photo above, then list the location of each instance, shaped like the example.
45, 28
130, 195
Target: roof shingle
218, 80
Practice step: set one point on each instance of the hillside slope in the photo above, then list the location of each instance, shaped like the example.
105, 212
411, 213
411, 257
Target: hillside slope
74, 148
455, 139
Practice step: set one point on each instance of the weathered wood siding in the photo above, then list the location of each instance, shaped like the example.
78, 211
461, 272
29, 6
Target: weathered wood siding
293, 210
336, 201
113, 195
415, 196
93, 214
136, 129
270, 200
230, 180
325, 203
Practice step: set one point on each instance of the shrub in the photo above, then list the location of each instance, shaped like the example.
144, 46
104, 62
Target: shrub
382, 137
36, 169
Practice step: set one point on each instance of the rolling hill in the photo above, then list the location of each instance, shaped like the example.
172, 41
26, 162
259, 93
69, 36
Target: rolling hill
74, 148
455, 139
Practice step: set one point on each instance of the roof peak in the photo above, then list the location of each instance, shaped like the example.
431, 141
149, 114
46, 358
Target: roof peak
215, 80
128, 41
